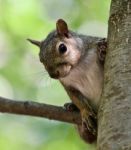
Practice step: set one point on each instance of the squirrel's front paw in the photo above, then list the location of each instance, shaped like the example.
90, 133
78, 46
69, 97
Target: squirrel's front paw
89, 121
70, 107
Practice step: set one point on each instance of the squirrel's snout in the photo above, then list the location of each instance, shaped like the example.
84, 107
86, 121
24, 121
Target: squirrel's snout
54, 75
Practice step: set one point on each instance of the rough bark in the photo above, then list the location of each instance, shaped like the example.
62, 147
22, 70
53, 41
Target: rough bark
39, 110
114, 125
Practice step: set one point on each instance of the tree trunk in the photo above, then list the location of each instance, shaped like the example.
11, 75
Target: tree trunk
114, 125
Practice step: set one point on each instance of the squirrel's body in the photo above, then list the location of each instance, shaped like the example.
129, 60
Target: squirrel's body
77, 62
87, 76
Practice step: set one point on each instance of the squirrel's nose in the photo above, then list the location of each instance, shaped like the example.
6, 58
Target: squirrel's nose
54, 75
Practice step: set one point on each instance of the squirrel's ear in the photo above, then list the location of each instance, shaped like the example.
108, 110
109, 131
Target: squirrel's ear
37, 43
62, 28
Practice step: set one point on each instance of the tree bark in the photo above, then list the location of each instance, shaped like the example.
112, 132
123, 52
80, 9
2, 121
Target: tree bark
114, 125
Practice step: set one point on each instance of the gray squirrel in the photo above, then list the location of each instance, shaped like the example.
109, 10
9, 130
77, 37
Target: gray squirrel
77, 61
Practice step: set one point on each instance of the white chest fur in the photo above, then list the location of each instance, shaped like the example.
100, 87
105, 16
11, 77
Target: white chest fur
87, 77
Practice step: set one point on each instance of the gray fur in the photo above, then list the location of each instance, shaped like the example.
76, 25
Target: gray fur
86, 74
87, 77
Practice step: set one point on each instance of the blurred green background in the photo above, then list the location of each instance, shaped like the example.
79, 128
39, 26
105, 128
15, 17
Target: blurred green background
22, 77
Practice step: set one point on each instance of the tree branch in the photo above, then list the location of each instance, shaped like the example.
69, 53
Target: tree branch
38, 110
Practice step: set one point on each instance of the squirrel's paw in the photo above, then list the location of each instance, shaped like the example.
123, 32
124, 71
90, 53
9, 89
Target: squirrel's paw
70, 107
89, 121
101, 49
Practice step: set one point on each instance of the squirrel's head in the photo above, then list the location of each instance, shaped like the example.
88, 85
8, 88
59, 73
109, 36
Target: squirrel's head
60, 51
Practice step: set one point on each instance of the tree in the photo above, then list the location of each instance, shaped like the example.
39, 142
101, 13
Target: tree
114, 120
115, 111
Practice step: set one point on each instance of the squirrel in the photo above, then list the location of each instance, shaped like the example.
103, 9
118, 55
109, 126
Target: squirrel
77, 61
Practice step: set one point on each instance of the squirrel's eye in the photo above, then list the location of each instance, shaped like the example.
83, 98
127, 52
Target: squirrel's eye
62, 48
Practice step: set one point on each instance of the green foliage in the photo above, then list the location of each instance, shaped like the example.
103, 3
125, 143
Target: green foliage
23, 77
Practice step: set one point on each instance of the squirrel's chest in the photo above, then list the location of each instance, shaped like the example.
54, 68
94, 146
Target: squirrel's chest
87, 81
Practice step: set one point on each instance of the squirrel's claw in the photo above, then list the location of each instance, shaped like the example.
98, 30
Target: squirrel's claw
101, 49
70, 107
